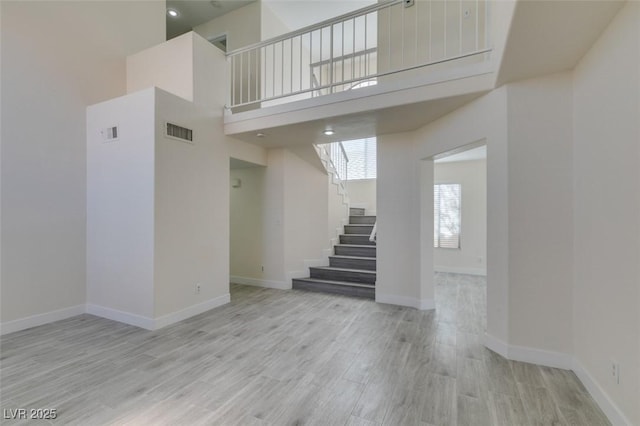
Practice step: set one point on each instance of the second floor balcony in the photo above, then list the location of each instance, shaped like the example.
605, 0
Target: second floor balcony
391, 47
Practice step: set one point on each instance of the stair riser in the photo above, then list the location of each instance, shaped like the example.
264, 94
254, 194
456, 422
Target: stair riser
356, 251
349, 229
368, 264
356, 239
368, 293
349, 276
364, 220
355, 211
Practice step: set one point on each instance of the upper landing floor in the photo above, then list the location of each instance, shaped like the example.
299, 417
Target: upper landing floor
390, 67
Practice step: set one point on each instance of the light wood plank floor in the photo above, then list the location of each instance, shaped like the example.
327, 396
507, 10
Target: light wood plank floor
276, 357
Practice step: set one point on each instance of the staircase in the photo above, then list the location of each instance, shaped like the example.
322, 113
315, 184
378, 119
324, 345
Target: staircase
352, 268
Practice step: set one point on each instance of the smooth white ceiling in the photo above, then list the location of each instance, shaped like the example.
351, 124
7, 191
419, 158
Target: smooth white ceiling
296, 14
479, 153
196, 12
552, 36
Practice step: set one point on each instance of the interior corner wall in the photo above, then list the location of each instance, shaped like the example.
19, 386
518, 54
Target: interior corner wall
271, 24
540, 213
606, 216
242, 26
273, 231
471, 257
305, 214
362, 193
247, 223
338, 211
168, 66
50, 74
295, 217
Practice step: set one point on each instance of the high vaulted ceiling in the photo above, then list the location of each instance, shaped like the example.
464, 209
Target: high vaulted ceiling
196, 12
552, 36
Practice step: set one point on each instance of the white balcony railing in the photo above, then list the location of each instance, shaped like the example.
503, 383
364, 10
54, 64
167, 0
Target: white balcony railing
365, 45
336, 160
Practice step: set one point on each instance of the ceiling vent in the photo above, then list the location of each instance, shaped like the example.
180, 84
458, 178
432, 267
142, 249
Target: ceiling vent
178, 132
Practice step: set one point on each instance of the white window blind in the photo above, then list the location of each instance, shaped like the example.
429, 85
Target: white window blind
362, 158
446, 215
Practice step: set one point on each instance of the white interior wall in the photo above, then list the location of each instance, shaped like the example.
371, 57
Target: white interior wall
148, 67
50, 73
273, 231
120, 205
193, 72
540, 212
471, 257
242, 26
247, 223
606, 212
362, 193
270, 22
398, 209
338, 211
191, 209
296, 211
484, 119
305, 215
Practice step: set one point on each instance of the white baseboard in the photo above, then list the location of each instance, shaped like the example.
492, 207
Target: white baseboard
191, 311
121, 316
412, 302
530, 355
610, 409
280, 285
40, 319
467, 271
565, 362
496, 345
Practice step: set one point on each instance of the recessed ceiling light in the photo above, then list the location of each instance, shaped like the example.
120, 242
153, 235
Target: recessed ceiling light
260, 135
173, 13
329, 132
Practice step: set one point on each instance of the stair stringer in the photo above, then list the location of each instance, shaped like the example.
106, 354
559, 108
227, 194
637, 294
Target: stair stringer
341, 190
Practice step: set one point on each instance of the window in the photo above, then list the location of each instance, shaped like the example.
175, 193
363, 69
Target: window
362, 158
446, 215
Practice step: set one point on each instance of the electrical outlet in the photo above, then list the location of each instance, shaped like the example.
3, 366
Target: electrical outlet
615, 372
197, 289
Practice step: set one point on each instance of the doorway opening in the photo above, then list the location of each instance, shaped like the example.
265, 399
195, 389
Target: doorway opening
460, 236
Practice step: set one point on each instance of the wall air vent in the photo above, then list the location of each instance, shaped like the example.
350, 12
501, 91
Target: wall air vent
178, 132
109, 134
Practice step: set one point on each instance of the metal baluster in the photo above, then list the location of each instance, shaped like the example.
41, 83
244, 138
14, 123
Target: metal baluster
460, 24
445, 28
233, 80
402, 37
353, 50
331, 59
430, 36
389, 28
477, 29
342, 80
366, 55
